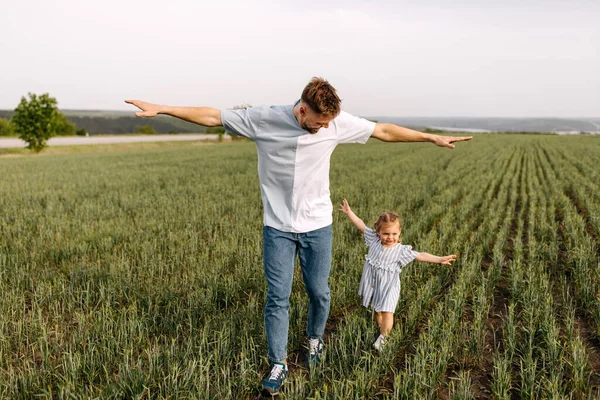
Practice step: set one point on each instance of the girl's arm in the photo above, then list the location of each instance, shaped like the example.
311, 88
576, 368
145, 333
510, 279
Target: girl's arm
345, 208
430, 258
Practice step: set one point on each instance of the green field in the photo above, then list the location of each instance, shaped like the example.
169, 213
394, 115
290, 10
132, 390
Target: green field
138, 274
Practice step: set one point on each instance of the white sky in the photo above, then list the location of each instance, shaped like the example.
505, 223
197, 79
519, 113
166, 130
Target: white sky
396, 58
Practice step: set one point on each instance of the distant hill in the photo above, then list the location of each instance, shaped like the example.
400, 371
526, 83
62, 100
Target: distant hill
467, 124
120, 122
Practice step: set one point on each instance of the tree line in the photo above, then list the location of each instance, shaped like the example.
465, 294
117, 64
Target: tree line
37, 118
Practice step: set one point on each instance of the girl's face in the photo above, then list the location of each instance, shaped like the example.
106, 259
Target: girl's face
389, 234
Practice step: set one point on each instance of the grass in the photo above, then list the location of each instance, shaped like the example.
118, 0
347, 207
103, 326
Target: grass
135, 271
101, 148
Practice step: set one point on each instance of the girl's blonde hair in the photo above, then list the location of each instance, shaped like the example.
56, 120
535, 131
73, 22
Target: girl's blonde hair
387, 218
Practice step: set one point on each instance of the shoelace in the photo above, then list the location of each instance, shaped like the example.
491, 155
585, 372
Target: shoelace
276, 372
314, 345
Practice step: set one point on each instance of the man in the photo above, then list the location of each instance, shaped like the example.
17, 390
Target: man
294, 144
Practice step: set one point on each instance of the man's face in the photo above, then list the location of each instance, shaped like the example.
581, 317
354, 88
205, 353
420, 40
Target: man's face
311, 121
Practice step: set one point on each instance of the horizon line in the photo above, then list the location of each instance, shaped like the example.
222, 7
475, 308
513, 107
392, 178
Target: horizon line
363, 115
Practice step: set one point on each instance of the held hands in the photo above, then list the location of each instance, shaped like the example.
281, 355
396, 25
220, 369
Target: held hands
148, 109
447, 141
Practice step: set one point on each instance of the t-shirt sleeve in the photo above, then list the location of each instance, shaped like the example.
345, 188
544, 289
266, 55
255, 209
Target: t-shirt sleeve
370, 236
353, 129
242, 122
406, 255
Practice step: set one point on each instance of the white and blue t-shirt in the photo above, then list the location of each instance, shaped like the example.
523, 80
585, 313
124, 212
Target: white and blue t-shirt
293, 164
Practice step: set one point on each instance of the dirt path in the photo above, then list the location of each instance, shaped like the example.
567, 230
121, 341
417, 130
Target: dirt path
109, 139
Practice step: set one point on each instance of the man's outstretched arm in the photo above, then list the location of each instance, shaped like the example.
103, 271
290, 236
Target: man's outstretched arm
200, 115
395, 133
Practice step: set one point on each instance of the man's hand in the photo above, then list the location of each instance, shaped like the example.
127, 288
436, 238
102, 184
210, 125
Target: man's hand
148, 109
205, 116
394, 133
447, 141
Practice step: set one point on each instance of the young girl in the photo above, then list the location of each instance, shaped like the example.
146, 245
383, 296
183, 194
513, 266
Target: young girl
380, 281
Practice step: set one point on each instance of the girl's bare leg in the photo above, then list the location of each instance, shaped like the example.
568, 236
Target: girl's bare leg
379, 319
387, 322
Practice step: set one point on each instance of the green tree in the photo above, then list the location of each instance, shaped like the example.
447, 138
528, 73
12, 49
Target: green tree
5, 127
145, 129
219, 130
34, 120
64, 127
243, 106
215, 129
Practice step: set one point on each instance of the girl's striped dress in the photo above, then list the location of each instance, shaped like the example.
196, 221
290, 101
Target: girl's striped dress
380, 281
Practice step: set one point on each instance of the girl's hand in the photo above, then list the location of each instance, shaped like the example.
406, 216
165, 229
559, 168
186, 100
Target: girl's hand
358, 223
345, 207
448, 260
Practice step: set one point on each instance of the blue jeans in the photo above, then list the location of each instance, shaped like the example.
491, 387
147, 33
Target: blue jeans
279, 252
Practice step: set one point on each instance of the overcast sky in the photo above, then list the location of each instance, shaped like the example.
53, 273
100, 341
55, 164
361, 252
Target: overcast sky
396, 58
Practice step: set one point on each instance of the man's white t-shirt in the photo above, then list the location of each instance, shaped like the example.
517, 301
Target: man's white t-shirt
293, 164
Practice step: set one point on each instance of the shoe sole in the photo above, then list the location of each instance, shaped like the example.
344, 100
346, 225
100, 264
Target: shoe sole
268, 392
314, 362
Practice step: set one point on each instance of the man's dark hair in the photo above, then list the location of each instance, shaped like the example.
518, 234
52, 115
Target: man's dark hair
321, 97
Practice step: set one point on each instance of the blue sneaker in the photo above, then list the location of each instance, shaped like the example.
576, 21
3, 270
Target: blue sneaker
315, 351
273, 381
